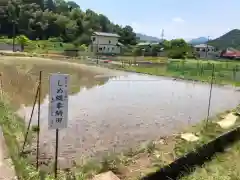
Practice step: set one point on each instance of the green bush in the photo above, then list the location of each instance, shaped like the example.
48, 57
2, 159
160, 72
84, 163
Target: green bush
177, 54
55, 39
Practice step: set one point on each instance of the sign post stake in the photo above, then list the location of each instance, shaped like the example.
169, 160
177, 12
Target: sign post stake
56, 155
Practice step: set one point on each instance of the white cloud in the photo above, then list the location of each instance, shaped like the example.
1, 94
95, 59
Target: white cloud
178, 20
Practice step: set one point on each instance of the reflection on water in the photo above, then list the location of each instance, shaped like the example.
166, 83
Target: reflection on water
130, 109
20, 80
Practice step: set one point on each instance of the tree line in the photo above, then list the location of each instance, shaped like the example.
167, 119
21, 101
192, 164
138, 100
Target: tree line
175, 48
64, 20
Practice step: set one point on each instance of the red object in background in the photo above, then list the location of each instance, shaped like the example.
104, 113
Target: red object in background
107, 61
231, 54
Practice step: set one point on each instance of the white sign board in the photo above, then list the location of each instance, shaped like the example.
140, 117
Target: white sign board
58, 101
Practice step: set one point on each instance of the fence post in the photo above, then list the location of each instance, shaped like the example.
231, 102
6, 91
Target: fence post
210, 93
30, 120
38, 121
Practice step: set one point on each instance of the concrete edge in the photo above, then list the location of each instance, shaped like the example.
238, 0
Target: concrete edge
185, 164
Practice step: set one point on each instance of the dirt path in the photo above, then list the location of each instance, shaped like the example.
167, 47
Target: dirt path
7, 171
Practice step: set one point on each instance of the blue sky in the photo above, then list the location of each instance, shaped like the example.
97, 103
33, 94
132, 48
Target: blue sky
179, 18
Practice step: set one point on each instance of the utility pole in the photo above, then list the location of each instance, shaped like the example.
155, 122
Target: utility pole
207, 48
162, 35
14, 35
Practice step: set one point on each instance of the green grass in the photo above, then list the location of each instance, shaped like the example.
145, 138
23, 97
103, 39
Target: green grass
224, 166
13, 129
224, 72
42, 46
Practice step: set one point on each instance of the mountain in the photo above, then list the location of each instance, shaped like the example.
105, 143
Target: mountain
144, 37
230, 39
200, 40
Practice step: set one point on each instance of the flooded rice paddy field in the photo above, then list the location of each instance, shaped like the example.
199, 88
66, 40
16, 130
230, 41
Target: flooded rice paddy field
110, 110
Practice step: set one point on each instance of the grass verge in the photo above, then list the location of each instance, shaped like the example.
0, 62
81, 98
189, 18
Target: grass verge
13, 129
223, 166
224, 72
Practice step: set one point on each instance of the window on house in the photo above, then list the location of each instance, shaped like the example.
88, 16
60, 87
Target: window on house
93, 39
108, 49
113, 48
104, 47
197, 49
203, 50
100, 49
109, 42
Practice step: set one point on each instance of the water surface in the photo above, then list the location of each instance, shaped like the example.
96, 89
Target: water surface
129, 109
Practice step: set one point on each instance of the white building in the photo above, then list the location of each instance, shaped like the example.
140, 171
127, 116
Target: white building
105, 43
205, 51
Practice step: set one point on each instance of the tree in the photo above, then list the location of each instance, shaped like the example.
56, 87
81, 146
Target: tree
178, 43
73, 5
42, 19
104, 23
127, 36
22, 40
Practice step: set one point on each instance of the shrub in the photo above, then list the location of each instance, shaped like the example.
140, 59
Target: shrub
177, 53
55, 39
22, 40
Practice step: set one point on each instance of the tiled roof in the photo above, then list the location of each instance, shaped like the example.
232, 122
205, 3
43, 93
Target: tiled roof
106, 34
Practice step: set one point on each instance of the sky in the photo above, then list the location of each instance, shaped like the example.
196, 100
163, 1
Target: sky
179, 18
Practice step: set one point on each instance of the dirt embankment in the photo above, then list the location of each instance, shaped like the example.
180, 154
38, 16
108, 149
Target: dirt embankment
38, 60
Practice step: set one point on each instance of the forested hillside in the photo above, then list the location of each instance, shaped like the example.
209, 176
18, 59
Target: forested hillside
42, 19
230, 39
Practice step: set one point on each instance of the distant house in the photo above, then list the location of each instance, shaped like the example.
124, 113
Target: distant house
105, 43
205, 51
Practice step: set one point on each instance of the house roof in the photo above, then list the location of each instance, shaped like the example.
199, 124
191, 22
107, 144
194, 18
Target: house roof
147, 43
106, 34
143, 44
203, 46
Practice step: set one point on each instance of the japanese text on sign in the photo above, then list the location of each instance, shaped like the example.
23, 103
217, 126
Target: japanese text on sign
58, 101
